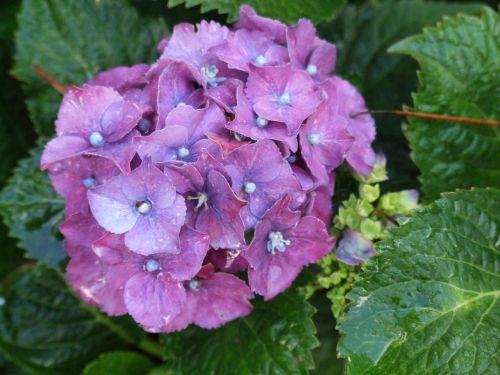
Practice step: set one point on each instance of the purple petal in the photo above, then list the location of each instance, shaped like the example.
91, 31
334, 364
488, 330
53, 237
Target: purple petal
353, 248
164, 299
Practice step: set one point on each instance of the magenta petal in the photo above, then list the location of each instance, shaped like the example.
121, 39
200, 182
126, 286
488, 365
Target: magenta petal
122, 77
193, 249
222, 298
249, 19
61, 148
153, 300
221, 221
81, 229
87, 274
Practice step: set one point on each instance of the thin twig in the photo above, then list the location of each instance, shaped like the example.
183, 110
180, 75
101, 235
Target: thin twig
432, 116
50, 79
385, 215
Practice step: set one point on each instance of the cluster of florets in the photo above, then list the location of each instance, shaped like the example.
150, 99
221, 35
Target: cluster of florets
217, 159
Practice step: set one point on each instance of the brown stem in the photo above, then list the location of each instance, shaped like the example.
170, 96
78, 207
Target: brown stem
385, 215
432, 116
50, 79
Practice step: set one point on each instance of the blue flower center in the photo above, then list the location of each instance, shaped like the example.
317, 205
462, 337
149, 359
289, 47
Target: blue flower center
152, 265
182, 152
261, 122
312, 69
313, 138
194, 285
209, 73
143, 125
96, 139
89, 182
260, 60
143, 207
285, 98
249, 187
276, 243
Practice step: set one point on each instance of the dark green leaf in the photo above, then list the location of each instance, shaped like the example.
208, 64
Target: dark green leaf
460, 76
429, 303
120, 363
16, 133
284, 10
45, 329
73, 40
362, 35
31, 209
276, 339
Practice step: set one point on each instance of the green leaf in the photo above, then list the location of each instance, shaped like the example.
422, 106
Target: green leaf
429, 302
45, 329
284, 10
276, 339
16, 133
120, 363
362, 35
460, 76
32, 210
73, 40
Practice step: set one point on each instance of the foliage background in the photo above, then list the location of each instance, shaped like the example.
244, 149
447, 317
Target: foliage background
45, 329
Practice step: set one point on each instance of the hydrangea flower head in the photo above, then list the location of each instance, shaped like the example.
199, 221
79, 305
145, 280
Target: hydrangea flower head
217, 159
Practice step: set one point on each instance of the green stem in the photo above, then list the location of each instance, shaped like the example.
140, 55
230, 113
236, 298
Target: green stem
151, 347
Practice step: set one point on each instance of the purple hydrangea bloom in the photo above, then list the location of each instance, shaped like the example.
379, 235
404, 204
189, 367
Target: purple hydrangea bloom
283, 94
250, 20
144, 205
175, 87
213, 299
247, 123
308, 52
72, 178
282, 246
155, 278
184, 135
164, 166
94, 120
261, 176
353, 248
324, 142
348, 102
245, 47
213, 208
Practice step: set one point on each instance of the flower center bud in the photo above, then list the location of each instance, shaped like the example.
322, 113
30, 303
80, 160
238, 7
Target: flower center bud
180, 104
202, 199
312, 69
260, 60
194, 285
209, 73
143, 207
152, 265
292, 158
182, 152
89, 182
276, 243
249, 187
262, 122
285, 98
96, 139
143, 125
313, 138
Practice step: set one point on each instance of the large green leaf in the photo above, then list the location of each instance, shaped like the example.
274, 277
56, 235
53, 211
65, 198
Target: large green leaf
276, 339
31, 209
73, 40
45, 329
362, 35
120, 363
16, 133
429, 303
460, 76
284, 10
